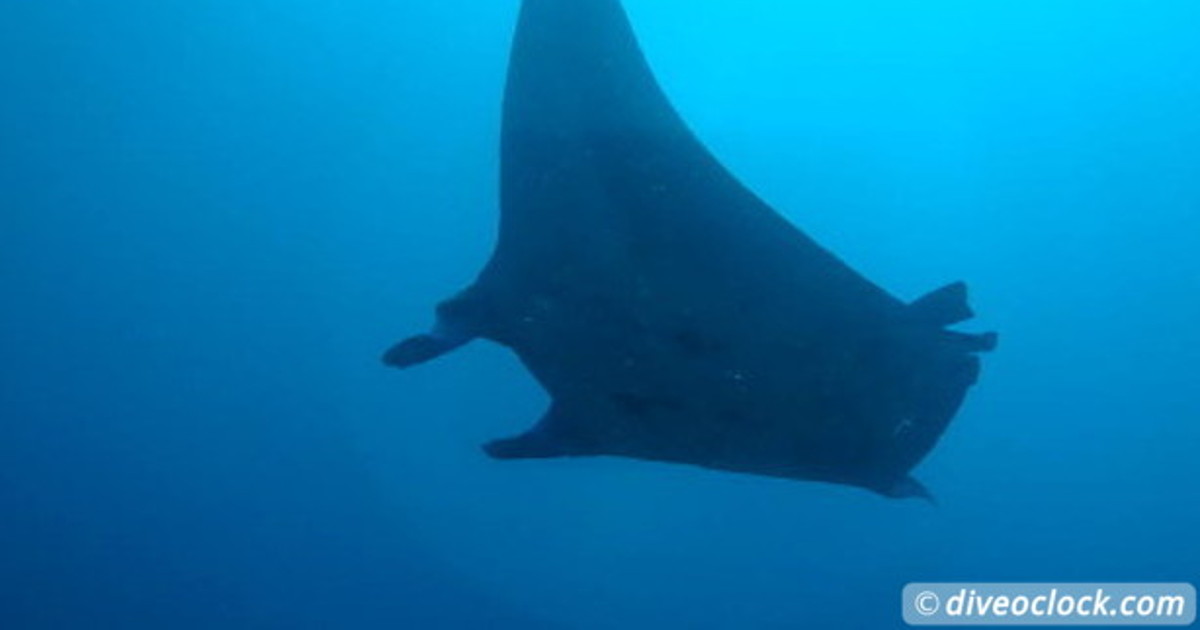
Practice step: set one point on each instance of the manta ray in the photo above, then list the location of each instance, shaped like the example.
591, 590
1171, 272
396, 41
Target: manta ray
670, 313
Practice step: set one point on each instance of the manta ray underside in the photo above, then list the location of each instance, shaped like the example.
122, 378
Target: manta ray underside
669, 312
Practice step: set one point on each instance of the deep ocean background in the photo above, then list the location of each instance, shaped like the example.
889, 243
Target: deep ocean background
214, 216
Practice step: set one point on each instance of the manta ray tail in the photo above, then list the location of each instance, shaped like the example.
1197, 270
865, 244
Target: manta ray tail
942, 307
947, 306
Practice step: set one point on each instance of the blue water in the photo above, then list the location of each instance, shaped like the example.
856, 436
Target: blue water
215, 215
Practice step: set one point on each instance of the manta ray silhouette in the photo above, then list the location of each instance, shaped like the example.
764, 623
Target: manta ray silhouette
669, 312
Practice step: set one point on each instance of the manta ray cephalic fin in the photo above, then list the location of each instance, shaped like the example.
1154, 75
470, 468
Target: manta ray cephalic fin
459, 320
545, 439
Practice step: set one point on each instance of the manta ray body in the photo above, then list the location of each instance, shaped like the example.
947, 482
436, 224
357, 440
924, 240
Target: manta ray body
670, 313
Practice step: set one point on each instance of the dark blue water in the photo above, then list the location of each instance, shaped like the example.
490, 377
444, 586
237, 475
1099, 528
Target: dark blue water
214, 216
